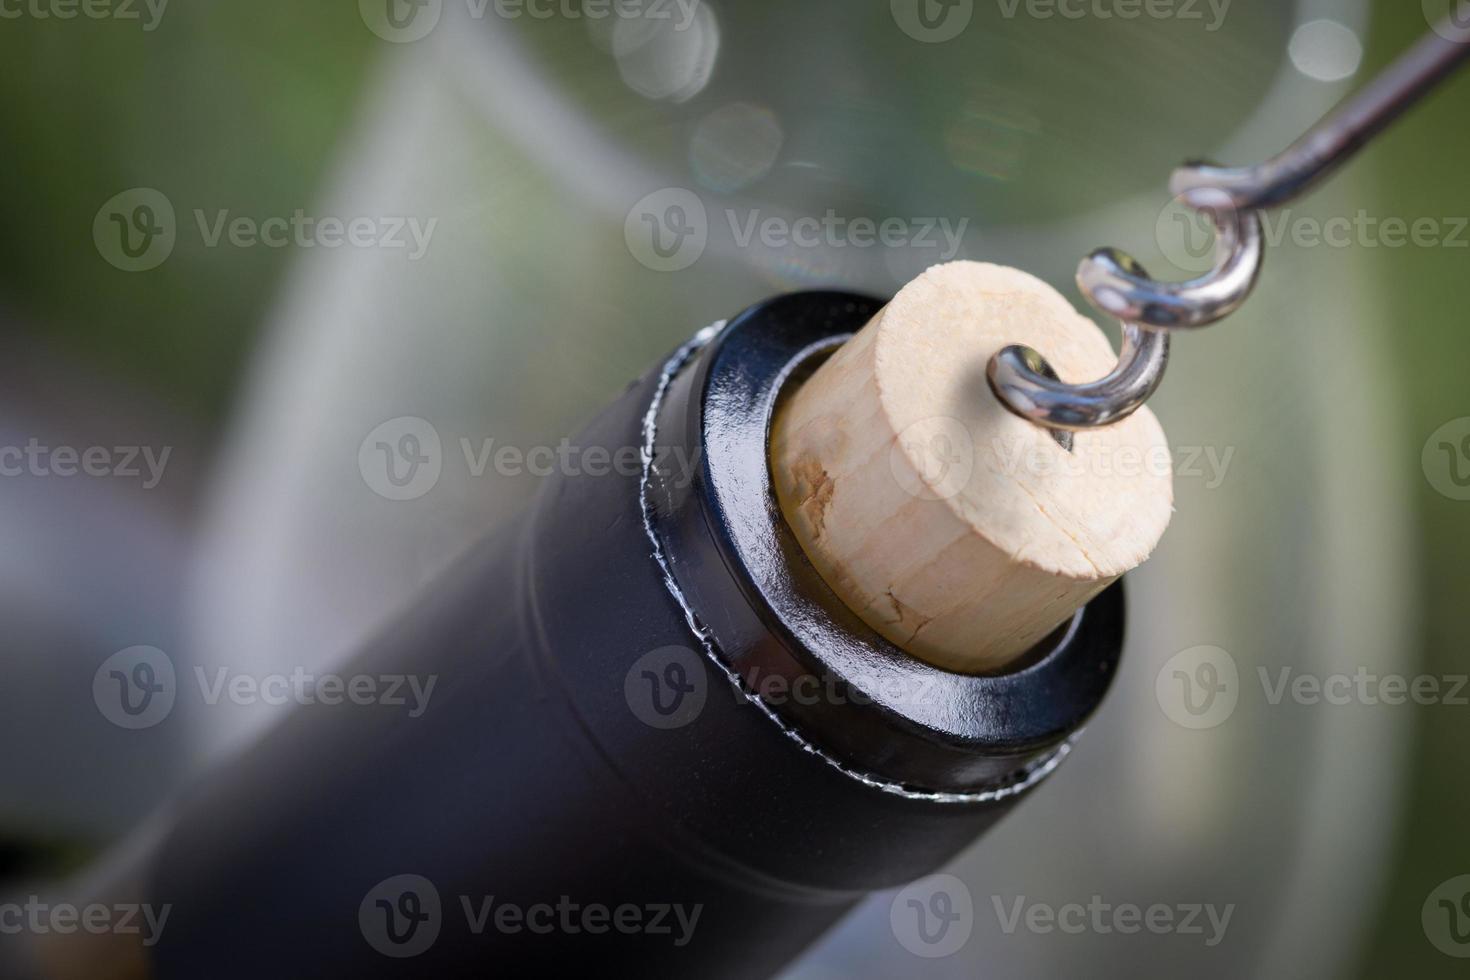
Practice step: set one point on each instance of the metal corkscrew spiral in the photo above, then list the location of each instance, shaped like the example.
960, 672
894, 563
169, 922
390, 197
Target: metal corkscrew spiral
1233, 197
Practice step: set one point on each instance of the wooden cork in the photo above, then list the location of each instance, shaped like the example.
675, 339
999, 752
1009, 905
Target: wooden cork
962, 533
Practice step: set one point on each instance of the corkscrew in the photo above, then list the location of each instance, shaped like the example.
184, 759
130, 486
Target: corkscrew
1232, 198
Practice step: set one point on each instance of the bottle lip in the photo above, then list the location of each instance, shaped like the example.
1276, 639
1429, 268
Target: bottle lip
771, 623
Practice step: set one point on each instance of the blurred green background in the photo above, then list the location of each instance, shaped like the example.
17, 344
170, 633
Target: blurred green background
1420, 169
244, 106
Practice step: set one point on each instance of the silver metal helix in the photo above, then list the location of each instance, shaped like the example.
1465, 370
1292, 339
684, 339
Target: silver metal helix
1232, 197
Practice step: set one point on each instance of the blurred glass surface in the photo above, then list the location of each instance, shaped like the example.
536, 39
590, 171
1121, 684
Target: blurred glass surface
1306, 535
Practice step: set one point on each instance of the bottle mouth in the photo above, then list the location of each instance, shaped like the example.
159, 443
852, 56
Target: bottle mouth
797, 652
